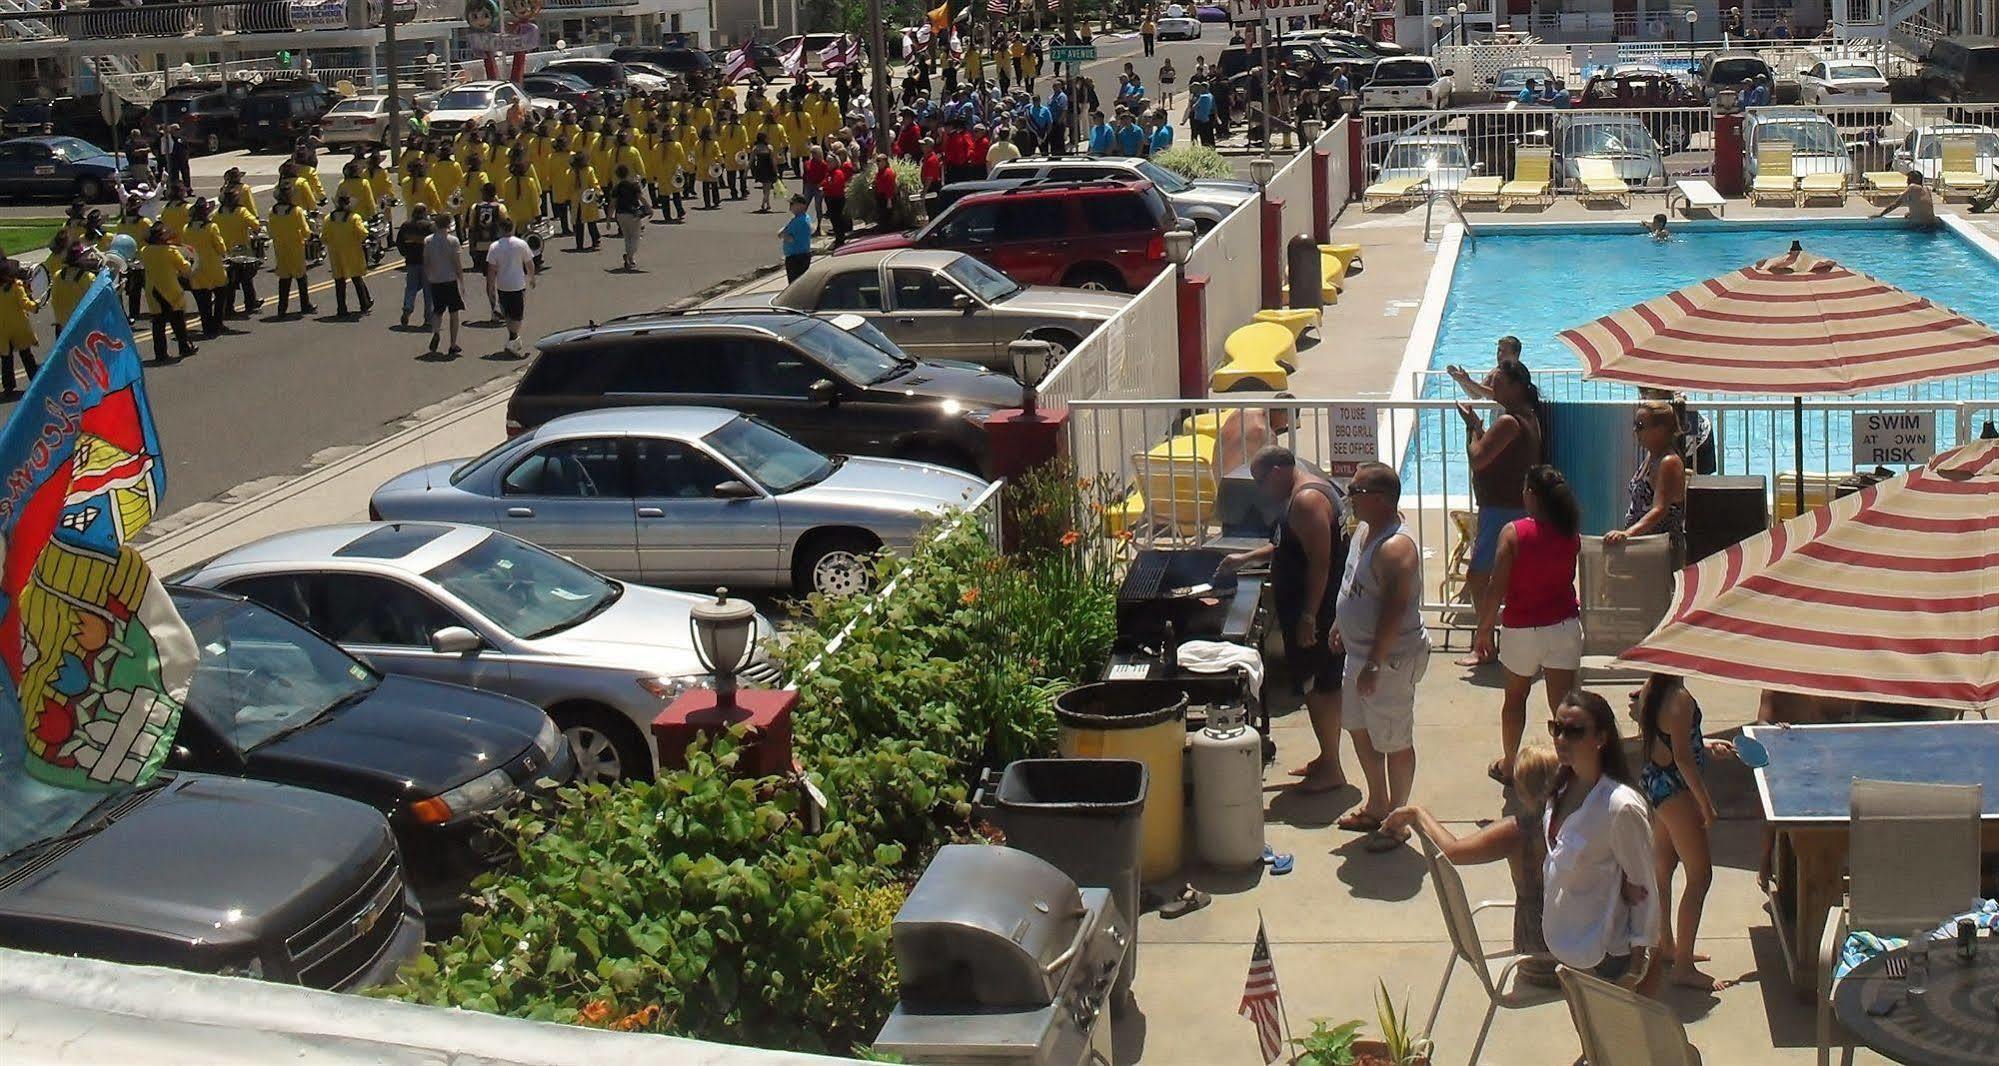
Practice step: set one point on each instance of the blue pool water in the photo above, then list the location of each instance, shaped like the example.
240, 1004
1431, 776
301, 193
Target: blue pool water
1534, 285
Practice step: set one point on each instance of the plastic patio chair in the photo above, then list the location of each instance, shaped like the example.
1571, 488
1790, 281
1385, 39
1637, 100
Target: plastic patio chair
1619, 1027
1461, 921
1533, 169
1912, 860
1775, 179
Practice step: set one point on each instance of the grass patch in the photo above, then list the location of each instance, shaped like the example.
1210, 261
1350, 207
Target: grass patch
19, 235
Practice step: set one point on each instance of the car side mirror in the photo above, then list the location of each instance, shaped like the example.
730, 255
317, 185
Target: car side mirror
734, 490
962, 302
825, 391
1449, 73
455, 640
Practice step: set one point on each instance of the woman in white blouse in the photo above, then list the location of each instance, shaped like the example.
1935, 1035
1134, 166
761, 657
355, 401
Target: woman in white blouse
1599, 871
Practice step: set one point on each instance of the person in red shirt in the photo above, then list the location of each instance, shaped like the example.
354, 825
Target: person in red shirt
884, 188
957, 153
933, 167
834, 189
910, 138
814, 176
981, 143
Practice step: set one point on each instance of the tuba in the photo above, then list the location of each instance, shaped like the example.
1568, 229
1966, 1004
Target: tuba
742, 160
457, 202
715, 171
39, 283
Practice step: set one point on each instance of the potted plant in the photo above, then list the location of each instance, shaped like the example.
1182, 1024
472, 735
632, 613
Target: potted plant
1327, 1044
1341, 1045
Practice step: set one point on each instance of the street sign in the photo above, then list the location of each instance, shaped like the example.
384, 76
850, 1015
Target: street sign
1072, 53
1266, 10
1902, 437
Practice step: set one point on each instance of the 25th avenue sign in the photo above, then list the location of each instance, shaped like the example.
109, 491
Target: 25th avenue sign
1261, 10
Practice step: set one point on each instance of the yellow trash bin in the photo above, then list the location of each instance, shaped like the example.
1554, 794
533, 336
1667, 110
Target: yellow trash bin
1146, 721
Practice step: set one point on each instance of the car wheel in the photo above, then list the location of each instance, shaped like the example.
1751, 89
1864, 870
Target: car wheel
835, 565
605, 749
89, 190
1060, 339
1098, 278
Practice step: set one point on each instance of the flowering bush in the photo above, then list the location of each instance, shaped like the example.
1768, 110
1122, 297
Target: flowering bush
1192, 161
907, 211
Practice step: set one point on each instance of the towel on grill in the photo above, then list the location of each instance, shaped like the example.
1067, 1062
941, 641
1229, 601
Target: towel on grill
1216, 657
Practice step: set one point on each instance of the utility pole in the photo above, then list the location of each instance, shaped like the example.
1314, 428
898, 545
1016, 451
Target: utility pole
1075, 116
395, 139
878, 66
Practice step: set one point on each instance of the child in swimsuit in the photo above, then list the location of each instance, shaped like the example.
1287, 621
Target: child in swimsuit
1669, 721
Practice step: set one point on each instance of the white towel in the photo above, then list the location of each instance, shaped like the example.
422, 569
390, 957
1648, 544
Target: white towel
1218, 657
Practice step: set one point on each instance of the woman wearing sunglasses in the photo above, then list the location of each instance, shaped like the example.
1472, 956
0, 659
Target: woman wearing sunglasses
1659, 485
1599, 874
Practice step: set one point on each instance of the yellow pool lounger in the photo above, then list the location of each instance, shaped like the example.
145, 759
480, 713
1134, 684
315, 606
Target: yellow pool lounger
1821, 187
1295, 319
1482, 189
1532, 170
1391, 192
1260, 355
1960, 172
1347, 254
1883, 186
1600, 181
1774, 177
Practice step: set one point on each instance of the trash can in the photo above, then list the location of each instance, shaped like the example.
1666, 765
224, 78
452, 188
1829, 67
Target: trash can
1081, 816
1143, 720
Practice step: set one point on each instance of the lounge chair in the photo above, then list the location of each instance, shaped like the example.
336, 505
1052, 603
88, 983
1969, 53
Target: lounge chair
1295, 319
1531, 178
1822, 187
1177, 484
1393, 191
1346, 254
1774, 177
1882, 187
1600, 182
1261, 355
1960, 168
1912, 861
1483, 189
1619, 1027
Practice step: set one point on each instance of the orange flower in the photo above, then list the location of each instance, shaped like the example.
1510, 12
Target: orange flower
1124, 535
594, 1012
1070, 538
970, 597
642, 1018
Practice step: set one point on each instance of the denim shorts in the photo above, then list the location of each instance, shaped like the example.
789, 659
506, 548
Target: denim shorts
1491, 522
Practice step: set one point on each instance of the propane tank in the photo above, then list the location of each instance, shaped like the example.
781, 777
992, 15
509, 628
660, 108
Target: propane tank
1227, 760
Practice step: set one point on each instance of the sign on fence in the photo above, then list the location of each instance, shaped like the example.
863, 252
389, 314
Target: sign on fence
1072, 53
1353, 437
1262, 10
1894, 438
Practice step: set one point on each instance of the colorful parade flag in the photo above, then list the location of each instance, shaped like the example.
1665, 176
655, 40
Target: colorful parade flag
842, 53
940, 18
98, 659
794, 60
740, 64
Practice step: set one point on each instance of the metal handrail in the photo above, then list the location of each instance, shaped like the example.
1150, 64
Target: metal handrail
1429, 205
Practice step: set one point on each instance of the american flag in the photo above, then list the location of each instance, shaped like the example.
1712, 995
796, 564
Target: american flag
794, 60
740, 65
1262, 1003
841, 53
998, 7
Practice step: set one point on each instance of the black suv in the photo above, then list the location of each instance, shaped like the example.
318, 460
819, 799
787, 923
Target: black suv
833, 382
66, 116
1961, 70
277, 113
206, 112
679, 60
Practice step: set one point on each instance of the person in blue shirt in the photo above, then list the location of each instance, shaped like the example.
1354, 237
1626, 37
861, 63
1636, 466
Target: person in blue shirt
1162, 134
1342, 85
1058, 110
1529, 93
1103, 139
1042, 121
1554, 93
1130, 138
1201, 112
797, 238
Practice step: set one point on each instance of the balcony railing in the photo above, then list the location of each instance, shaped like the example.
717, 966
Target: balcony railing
100, 20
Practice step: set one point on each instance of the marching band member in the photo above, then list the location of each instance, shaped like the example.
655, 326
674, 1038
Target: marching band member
305, 163
707, 167
579, 190
669, 165
449, 176
173, 211
354, 185
288, 232
476, 180
165, 268
735, 141
521, 193
626, 154
558, 181
66, 289
17, 325
132, 222
346, 234
418, 188
797, 135
232, 179
238, 226
302, 195
211, 268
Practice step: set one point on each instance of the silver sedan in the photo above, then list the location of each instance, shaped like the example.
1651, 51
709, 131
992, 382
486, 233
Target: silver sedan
473, 607
942, 305
686, 496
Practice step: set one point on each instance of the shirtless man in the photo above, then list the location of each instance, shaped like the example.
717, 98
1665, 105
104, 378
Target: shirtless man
1921, 204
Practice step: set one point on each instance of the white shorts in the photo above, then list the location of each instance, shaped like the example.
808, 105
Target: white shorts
1389, 716
1526, 652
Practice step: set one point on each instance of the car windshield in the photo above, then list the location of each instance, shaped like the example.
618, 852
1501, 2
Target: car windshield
1614, 139
261, 674
1162, 177
987, 284
859, 361
1516, 77
1985, 142
31, 810
1406, 156
1736, 71
777, 462
1811, 138
465, 100
1854, 70
522, 589
73, 148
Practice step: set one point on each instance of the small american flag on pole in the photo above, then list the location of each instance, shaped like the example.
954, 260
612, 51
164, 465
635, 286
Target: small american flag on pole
998, 7
1262, 1003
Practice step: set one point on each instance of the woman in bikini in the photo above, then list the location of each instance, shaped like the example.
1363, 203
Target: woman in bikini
1669, 724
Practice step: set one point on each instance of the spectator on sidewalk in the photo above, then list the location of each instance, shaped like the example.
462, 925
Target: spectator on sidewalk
510, 272
797, 238
444, 273
410, 239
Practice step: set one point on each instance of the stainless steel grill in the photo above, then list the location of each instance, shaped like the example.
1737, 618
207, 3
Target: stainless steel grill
351, 936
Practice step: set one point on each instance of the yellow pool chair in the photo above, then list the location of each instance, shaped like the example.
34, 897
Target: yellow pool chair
1346, 254
1295, 319
1600, 182
1261, 356
1483, 189
1882, 187
1829, 186
1176, 480
1393, 191
1532, 169
1960, 174
1774, 179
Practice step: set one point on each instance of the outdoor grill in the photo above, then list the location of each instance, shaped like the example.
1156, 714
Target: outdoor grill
1002, 959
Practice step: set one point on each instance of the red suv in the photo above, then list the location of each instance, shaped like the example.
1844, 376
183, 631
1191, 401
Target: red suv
1084, 234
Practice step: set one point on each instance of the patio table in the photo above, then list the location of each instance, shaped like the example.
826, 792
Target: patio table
1805, 793
1954, 1023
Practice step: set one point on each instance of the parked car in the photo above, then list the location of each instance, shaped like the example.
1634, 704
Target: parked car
646, 78
1204, 202
688, 496
278, 112
81, 117
942, 305
58, 167
566, 90
834, 382
1921, 151
1661, 99
1506, 85
1843, 82
476, 104
1730, 70
1960, 70
607, 76
1211, 13
1440, 157
1311, 61
1621, 139
1183, 28
1407, 81
1090, 235
210, 874
477, 607
362, 120
1349, 39
207, 113
273, 701
1816, 146
680, 60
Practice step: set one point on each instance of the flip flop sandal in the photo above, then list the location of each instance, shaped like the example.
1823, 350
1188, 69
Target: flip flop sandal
1359, 823
1380, 842
1280, 862
1187, 902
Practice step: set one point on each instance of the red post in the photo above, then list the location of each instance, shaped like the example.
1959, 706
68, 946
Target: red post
766, 749
1193, 336
1729, 164
1273, 252
1356, 157
1322, 195
1018, 442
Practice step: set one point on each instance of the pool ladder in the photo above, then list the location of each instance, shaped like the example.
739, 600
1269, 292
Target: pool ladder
1429, 206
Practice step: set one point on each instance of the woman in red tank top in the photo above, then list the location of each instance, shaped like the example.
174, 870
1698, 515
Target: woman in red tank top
1535, 619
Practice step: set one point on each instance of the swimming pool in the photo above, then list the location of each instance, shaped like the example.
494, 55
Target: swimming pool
1535, 281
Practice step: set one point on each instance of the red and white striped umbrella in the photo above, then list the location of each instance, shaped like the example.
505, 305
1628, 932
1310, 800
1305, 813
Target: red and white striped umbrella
1888, 594
1792, 325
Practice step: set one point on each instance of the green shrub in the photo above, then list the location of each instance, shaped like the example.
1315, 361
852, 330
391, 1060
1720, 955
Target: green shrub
1195, 161
907, 211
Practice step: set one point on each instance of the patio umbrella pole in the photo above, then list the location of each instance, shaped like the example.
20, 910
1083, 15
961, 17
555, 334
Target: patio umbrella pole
1798, 442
